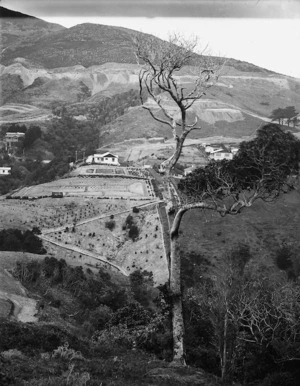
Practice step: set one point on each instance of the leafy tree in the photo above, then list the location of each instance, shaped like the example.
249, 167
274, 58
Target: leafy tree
289, 113
277, 115
110, 224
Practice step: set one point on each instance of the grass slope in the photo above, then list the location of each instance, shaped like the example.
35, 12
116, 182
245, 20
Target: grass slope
264, 227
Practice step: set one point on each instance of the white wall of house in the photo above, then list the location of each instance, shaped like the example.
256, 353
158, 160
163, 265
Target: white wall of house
5, 171
218, 156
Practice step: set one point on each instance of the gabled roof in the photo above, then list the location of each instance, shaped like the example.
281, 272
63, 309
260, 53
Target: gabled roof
107, 154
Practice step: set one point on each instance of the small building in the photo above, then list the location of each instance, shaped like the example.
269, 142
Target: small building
5, 171
220, 155
105, 159
219, 152
12, 139
189, 170
177, 172
57, 194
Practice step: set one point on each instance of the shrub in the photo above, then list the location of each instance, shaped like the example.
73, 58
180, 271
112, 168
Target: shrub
66, 353
133, 232
110, 225
135, 209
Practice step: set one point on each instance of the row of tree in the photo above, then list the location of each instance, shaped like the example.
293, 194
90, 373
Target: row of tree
287, 114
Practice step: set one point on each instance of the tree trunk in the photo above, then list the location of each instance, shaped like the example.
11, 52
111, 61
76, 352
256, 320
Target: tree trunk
175, 283
168, 164
177, 314
224, 353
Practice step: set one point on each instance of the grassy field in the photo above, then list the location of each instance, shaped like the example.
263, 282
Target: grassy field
264, 227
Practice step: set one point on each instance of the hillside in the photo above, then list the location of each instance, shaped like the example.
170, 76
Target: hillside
18, 29
88, 63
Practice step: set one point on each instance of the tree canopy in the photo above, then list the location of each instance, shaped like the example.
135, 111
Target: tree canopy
289, 113
261, 170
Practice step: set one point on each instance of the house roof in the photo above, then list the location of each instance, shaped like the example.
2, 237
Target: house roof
190, 169
107, 154
14, 134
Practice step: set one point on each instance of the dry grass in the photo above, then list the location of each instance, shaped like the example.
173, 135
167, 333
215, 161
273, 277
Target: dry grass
265, 227
146, 253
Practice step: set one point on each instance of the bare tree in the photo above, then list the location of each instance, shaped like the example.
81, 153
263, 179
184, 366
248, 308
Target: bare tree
225, 187
160, 82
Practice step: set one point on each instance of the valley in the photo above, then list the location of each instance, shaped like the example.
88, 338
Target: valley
98, 285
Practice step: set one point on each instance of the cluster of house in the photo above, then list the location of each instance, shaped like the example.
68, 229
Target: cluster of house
214, 152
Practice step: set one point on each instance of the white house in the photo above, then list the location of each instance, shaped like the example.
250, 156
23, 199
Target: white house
104, 159
5, 171
221, 154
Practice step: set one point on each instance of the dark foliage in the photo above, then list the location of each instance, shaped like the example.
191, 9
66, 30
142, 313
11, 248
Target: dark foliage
110, 224
132, 315
262, 165
34, 338
16, 240
287, 113
91, 291
287, 259
32, 134
131, 228
135, 209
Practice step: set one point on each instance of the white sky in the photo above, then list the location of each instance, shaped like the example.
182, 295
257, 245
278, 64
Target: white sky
267, 42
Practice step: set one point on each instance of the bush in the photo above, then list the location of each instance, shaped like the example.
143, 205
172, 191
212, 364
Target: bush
133, 232
16, 240
111, 224
135, 209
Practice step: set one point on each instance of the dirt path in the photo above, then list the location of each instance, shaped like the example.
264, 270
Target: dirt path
23, 308
84, 252
46, 231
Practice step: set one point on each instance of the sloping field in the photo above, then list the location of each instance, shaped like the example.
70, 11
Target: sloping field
11, 113
146, 252
102, 187
47, 213
265, 227
76, 230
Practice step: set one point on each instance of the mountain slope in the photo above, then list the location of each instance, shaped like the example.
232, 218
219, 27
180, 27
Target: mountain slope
84, 44
89, 62
18, 28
